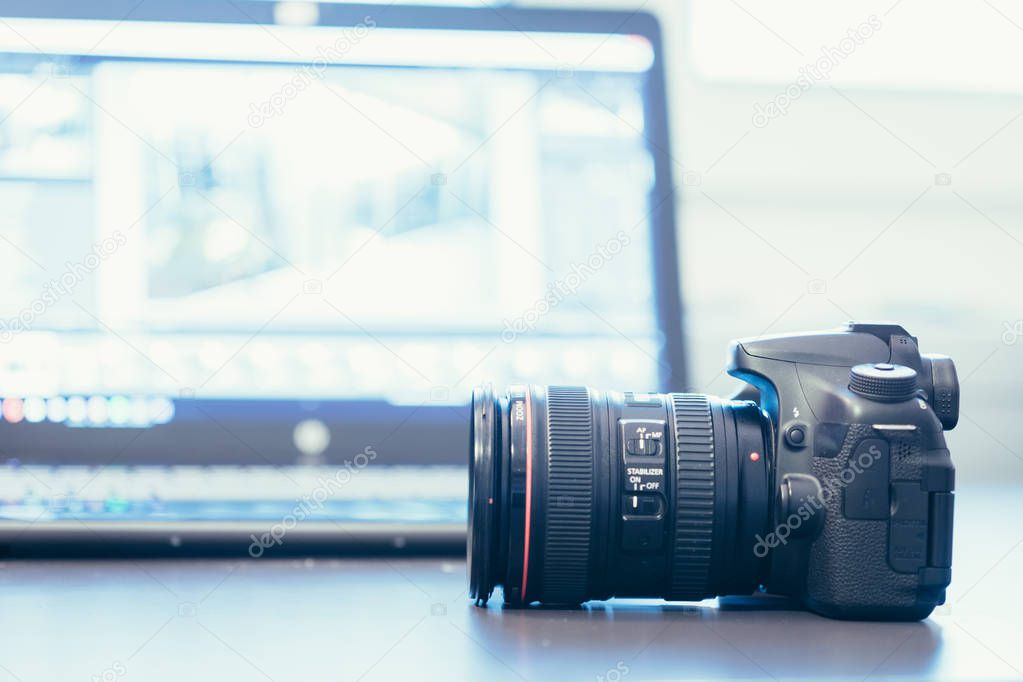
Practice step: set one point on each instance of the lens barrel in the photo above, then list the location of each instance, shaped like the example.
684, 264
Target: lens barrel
577, 494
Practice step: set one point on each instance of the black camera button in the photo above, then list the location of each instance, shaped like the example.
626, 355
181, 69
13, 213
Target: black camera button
796, 495
795, 435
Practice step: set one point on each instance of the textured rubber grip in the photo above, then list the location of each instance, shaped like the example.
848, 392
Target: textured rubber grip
566, 558
694, 515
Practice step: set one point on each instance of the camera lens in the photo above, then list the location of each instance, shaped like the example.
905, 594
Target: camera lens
578, 494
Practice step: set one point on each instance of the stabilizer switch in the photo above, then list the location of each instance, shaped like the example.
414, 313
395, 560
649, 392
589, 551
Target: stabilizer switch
643, 502
643, 450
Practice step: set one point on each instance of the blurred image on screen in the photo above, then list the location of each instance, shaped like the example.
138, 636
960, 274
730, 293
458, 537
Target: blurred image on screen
256, 226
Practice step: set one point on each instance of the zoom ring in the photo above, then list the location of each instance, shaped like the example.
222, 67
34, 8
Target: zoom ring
694, 516
566, 556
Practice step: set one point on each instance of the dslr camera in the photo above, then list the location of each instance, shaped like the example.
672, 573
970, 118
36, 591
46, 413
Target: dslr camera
832, 486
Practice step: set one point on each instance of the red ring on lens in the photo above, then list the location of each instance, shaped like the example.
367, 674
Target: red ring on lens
529, 490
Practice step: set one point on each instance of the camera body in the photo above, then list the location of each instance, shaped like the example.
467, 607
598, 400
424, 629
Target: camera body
861, 518
826, 480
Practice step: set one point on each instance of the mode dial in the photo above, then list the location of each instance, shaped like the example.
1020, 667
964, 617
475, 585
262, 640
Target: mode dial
883, 382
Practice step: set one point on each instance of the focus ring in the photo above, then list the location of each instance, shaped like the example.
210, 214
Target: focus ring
566, 556
694, 515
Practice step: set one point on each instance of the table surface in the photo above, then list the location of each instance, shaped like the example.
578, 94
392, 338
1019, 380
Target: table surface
374, 619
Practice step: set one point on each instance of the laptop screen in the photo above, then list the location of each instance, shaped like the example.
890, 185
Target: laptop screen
237, 243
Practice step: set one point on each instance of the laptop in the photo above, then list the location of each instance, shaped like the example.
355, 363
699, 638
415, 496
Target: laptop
255, 256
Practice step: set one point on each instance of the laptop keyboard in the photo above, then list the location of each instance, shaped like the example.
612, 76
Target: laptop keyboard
397, 494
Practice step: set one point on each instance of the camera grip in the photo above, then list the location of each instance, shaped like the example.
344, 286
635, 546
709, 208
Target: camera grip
889, 566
